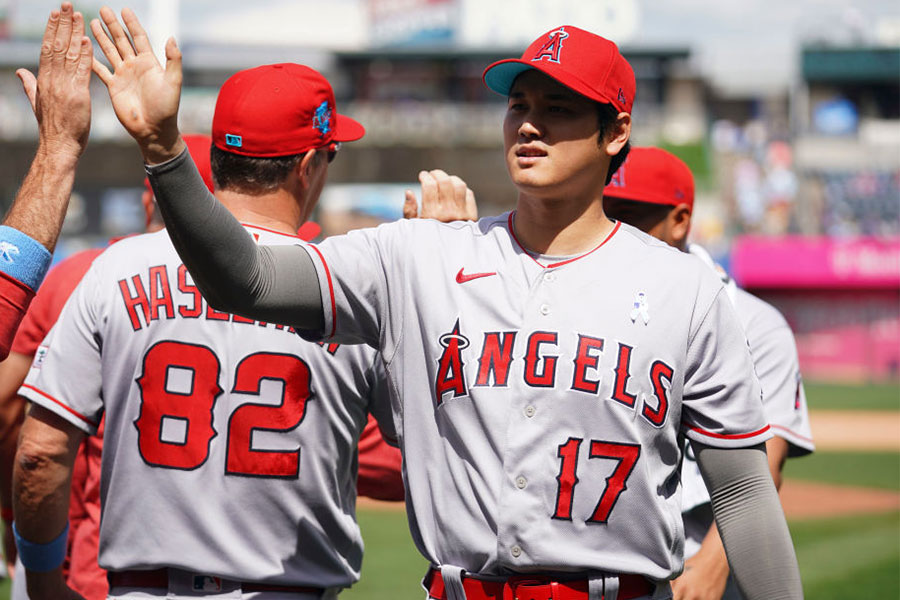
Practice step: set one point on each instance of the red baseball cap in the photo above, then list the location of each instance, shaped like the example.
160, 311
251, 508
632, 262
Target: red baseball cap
654, 176
279, 110
198, 146
578, 59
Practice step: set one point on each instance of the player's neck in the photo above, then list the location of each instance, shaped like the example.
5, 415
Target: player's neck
560, 228
277, 211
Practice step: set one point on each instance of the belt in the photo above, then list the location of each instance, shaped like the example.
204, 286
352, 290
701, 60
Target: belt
534, 587
159, 578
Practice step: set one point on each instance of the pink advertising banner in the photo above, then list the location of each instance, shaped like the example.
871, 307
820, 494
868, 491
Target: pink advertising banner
801, 262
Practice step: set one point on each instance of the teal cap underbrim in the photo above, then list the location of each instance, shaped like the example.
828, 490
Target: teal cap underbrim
501, 76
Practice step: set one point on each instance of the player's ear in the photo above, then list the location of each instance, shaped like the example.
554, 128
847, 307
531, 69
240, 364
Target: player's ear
307, 167
618, 134
680, 224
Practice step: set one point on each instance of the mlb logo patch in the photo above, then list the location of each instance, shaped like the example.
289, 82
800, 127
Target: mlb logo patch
206, 583
233, 140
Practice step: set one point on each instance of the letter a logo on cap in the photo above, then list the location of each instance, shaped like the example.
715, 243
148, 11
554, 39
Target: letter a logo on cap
552, 47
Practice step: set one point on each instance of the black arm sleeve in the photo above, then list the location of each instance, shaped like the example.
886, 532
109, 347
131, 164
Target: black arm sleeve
751, 522
277, 284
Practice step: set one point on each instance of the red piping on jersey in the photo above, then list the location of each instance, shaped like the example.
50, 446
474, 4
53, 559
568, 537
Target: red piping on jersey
563, 262
54, 400
297, 237
792, 432
330, 291
723, 436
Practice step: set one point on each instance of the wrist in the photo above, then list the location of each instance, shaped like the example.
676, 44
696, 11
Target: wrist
61, 153
162, 147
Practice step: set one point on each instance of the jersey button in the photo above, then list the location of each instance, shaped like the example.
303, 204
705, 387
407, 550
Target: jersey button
545, 309
521, 482
529, 411
515, 551
549, 277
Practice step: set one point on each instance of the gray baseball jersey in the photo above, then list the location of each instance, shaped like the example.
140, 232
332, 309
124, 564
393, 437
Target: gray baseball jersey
775, 361
541, 402
230, 445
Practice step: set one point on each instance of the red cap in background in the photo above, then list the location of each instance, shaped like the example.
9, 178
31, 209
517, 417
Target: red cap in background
198, 146
279, 110
578, 59
654, 176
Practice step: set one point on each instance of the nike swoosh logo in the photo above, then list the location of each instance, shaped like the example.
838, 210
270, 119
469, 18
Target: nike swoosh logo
462, 277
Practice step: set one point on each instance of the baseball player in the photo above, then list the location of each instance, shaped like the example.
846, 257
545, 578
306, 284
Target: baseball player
545, 363
61, 103
654, 191
229, 461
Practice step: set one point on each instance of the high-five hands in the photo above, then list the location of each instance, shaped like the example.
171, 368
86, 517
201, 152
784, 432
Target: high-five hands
444, 197
59, 95
144, 95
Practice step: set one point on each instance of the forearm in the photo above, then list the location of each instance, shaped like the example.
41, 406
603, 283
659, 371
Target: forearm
42, 475
40, 206
751, 522
270, 283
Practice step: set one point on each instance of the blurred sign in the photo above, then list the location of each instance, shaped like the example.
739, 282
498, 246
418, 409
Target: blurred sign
809, 262
412, 22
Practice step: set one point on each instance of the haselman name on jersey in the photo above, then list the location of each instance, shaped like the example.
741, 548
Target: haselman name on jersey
151, 296
542, 352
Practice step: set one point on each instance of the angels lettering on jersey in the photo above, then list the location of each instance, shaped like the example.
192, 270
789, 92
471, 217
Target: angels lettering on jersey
495, 357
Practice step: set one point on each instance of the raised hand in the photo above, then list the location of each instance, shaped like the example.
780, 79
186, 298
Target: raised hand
144, 95
444, 197
59, 95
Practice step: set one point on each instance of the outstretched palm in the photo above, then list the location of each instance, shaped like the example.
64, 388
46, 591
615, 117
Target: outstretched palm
144, 95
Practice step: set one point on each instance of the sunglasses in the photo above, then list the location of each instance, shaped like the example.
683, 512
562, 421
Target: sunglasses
333, 150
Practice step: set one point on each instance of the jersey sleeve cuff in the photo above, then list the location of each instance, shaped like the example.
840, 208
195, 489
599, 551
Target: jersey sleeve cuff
23, 258
329, 303
58, 407
727, 440
799, 445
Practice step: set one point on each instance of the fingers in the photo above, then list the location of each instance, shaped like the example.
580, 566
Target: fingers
49, 38
430, 193
444, 184
73, 54
173, 62
410, 206
141, 41
85, 59
102, 72
471, 206
63, 32
119, 37
29, 84
106, 45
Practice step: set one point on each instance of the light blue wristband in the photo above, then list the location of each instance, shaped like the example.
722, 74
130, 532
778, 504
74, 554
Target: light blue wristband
22, 258
42, 558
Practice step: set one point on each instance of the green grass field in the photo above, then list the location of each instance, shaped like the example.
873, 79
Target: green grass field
830, 396
850, 558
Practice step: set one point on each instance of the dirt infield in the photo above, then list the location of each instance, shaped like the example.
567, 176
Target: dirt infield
806, 500
845, 430
855, 430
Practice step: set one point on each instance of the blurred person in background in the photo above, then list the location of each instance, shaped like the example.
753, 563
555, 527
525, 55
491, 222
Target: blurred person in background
60, 99
654, 191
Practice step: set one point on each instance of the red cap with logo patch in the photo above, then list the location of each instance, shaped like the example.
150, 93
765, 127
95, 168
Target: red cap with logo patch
578, 59
279, 110
654, 176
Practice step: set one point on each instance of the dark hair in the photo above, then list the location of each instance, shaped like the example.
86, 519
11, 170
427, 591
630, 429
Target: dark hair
606, 120
250, 174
